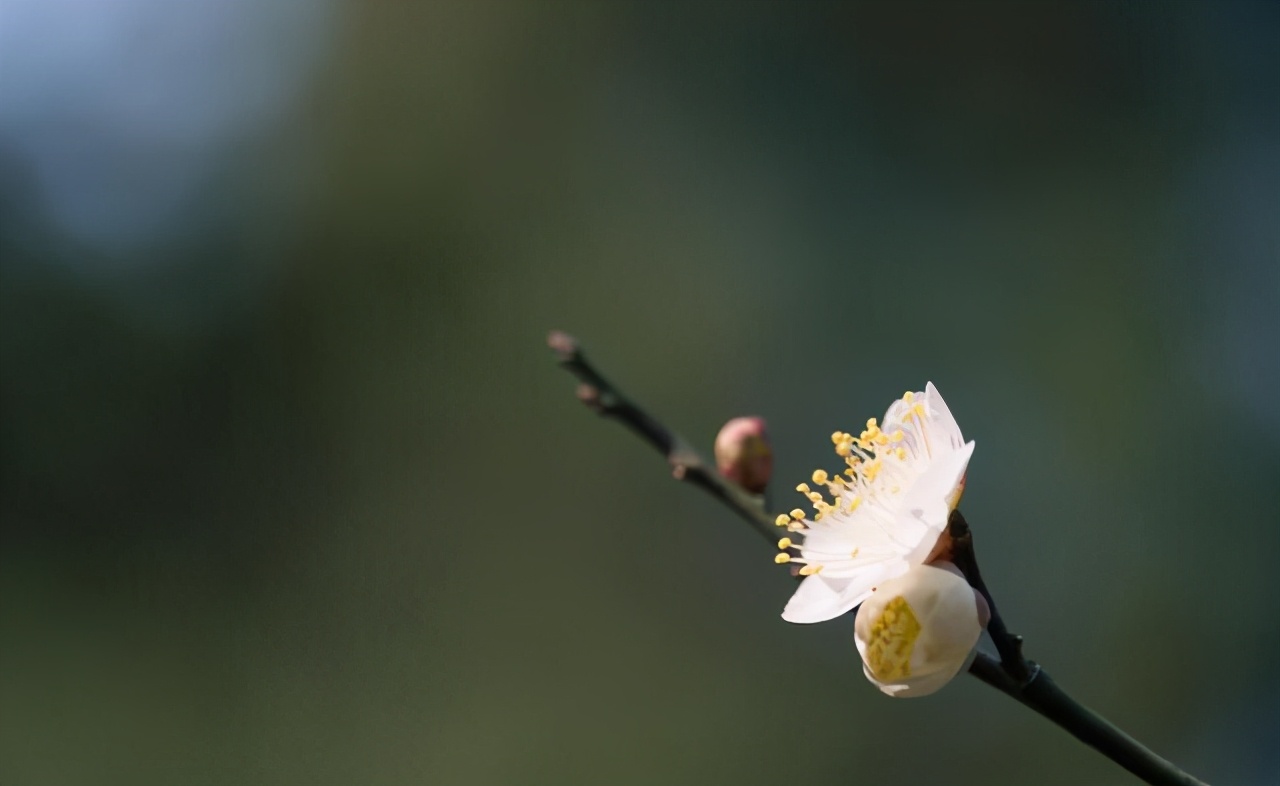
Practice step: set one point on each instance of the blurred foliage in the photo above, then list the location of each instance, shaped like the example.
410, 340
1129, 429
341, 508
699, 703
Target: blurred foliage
291, 492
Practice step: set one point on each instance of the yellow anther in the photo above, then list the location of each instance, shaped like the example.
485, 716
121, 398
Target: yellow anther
820, 477
881, 439
782, 520
901, 453
915, 410
837, 437
892, 638
784, 543
814, 496
871, 423
803, 488
909, 396
897, 436
854, 554
797, 514
809, 570
853, 504
844, 449
782, 558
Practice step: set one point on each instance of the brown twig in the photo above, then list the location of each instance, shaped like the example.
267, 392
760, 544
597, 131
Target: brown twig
686, 463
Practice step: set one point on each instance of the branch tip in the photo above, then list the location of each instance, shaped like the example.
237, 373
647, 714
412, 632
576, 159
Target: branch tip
564, 345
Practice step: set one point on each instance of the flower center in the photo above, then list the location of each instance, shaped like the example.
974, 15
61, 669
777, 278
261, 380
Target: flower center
880, 465
891, 640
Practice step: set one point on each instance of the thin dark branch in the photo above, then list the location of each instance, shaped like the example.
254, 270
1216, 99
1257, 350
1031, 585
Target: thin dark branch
1008, 645
1025, 681
686, 463
1011, 674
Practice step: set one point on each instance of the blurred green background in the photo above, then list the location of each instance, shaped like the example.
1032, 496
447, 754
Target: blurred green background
291, 491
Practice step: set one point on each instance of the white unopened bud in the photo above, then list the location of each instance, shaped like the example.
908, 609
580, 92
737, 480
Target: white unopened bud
919, 630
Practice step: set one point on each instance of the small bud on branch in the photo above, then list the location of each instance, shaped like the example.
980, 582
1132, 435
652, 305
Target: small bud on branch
744, 455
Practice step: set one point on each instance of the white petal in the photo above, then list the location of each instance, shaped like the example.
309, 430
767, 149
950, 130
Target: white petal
913, 686
940, 418
820, 598
838, 540
855, 567
928, 500
850, 547
817, 599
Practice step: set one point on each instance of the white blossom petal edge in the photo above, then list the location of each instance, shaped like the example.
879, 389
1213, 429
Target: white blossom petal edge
886, 509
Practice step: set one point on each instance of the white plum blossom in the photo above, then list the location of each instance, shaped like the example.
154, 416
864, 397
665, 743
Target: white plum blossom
916, 632
886, 509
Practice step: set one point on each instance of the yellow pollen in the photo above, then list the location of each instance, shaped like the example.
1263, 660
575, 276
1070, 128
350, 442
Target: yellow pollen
901, 453
782, 558
854, 554
820, 477
844, 449
890, 641
837, 437
810, 570
803, 488
782, 520
797, 514
872, 469
871, 423
784, 543
909, 396
854, 503
814, 496
897, 436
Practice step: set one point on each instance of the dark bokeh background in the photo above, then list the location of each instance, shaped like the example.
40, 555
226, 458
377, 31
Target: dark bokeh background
292, 493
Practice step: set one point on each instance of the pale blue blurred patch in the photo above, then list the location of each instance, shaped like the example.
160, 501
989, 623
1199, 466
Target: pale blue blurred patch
133, 132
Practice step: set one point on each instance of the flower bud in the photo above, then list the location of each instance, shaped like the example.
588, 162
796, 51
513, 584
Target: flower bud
919, 630
743, 453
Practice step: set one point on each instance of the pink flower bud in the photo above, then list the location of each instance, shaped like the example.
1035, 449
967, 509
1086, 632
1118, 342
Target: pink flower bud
743, 453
